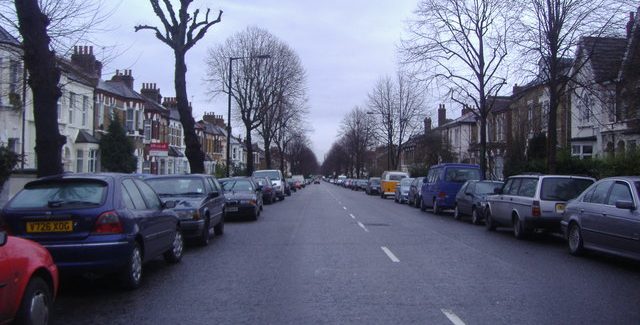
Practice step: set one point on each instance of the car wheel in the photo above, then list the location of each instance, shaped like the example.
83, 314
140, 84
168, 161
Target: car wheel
423, 207
488, 221
518, 228
132, 275
256, 214
36, 303
475, 218
456, 213
174, 254
395, 199
418, 203
436, 208
218, 229
204, 236
574, 239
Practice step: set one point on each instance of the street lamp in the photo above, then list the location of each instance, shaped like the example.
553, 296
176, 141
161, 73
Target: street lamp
388, 135
262, 56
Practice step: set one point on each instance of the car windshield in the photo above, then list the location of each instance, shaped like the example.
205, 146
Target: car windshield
176, 186
406, 182
272, 174
375, 181
461, 175
237, 185
487, 187
59, 194
397, 177
563, 188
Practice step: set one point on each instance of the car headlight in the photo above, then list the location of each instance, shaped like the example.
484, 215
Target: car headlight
188, 214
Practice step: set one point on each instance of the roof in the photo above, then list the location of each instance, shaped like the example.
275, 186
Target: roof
75, 73
468, 118
118, 88
7, 38
174, 114
605, 54
501, 104
175, 152
85, 137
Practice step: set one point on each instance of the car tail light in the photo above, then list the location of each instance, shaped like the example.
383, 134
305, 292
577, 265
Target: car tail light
108, 223
442, 195
535, 209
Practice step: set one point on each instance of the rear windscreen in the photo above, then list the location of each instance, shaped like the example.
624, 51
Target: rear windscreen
461, 175
60, 194
563, 189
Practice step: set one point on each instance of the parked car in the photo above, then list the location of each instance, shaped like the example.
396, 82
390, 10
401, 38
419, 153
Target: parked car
388, 182
199, 203
97, 223
268, 192
362, 185
373, 186
291, 184
277, 180
402, 190
605, 218
415, 197
529, 202
28, 281
443, 182
471, 199
243, 197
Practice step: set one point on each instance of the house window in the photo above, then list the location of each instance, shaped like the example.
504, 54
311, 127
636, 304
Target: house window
146, 167
67, 159
85, 108
12, 144
79, 160
631, 145
130, 120
72, 106
582, 151
147, 130
235, 153
162, 167
13, 81
586, 109
545, 114
170, 165
92, 160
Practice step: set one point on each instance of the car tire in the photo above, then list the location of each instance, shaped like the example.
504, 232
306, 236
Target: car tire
456, 213
488, 221
475, 218
205, 235
395, 199
131, 276
436, 209
418, 202
174, 253
218, 229
518, 228
574, 240
256, 214
423, 207
36, 304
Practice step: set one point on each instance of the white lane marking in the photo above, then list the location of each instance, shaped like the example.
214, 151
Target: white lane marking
352, 216
391, 256
344, 208
452, 317
362, 226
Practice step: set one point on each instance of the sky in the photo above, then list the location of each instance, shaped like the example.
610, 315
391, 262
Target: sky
344, 46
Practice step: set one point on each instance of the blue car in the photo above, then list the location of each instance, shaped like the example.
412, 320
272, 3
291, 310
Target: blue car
443, 182
96, 223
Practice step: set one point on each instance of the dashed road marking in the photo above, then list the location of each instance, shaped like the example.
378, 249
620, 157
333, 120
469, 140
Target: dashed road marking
344, 208
362, 226
352, 216
452, 317
390, 254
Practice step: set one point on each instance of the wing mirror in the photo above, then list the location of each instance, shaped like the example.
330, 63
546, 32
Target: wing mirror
3, 238
627, 205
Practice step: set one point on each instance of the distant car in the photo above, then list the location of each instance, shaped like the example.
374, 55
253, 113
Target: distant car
605, 218
199, 203
388, 182
440, 187
244, 197
277, 180
291, 183
402, 190
268, 192
97, 223
316, 180
529, 202
28, 281
373, 186
415, 198
471, 199
362, 185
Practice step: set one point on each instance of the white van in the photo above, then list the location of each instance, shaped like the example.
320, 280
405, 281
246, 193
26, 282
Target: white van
275, 175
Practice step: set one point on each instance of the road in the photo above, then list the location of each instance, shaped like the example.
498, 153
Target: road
334, 256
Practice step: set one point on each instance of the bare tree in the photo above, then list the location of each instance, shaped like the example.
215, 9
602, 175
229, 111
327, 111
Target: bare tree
464, 45
288, 125
399, 104
551, 32
358, 131
182, 31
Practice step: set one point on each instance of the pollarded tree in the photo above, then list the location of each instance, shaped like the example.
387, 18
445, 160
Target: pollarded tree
116, 150
181, 32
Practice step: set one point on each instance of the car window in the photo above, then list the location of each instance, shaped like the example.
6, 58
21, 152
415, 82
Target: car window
149, 196
599, 195
238, 185
563, 188
515, 185
216, 185
486, 187
126, 198
168, 186
136, 197
63, 193
208, 185
461, 175
588, 193
528, 187
619, 192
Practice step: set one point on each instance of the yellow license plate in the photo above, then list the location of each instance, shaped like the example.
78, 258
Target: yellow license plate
50, 226
560, 208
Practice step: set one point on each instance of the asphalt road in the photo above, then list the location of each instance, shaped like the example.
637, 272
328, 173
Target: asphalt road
328, 255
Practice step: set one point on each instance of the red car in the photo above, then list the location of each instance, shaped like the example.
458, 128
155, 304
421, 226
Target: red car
28, 281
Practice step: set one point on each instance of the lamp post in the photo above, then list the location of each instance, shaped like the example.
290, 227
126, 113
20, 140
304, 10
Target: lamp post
263, 56
388, 135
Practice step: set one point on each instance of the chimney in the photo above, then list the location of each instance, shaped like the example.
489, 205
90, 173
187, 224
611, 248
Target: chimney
125, 76
150, 91
170, 102
427, 125
442, 115
214, 119
83, 58
465, 110
630, 24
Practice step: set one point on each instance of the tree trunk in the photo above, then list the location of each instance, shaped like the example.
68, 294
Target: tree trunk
193, 149
553, 112
483, 146
44, 77
249, 145
267, 153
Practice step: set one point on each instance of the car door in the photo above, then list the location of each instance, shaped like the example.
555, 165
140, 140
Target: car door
501, 208
165, 222
218, 202
148, 226
8, 286
464, 198
590, 214
621, 226
523, 201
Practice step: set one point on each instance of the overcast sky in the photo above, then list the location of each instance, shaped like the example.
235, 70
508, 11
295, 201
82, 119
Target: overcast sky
344, 47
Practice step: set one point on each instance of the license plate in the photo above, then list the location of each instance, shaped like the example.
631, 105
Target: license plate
50, 226
560, 208
232, 209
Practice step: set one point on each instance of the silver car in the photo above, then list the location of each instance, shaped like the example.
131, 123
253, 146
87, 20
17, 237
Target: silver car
530, 202
605, 218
